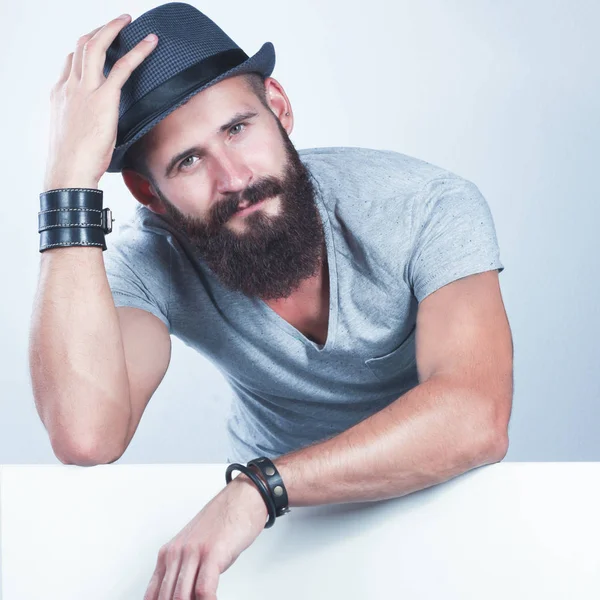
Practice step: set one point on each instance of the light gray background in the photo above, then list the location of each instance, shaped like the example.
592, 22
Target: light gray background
505, 94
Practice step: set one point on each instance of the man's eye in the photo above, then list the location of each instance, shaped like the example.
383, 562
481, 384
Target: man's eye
183, 162
237, 125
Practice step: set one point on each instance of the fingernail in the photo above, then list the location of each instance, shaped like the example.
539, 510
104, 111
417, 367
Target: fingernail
150, 37
124, 16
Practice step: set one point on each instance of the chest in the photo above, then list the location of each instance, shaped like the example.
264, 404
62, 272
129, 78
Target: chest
312, 326
310, 316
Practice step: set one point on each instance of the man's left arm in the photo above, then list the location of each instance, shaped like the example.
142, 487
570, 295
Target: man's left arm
454, 420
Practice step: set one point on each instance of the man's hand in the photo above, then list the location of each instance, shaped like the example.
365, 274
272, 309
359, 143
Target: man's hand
85, 107
189, 566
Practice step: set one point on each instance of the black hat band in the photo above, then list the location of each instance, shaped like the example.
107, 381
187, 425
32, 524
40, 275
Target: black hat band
175, 89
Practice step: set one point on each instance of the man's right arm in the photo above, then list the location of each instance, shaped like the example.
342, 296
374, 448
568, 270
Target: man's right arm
94, 367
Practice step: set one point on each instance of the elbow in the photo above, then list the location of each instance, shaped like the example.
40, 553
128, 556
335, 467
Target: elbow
496, 447
499, 430
86, 453
499, 447
489, 445
493, 450
495, 437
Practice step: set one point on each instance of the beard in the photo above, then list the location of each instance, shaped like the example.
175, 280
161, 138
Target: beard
274, 253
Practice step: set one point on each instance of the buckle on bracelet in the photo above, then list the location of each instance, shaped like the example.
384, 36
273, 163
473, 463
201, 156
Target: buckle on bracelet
107, 220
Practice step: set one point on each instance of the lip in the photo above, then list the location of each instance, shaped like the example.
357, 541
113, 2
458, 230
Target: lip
250, 208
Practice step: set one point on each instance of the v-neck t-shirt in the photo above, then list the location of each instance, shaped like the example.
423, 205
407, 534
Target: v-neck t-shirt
396, 229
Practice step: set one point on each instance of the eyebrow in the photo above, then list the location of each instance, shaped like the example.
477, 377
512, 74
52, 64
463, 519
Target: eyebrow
239, 116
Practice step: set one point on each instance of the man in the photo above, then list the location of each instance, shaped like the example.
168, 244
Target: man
349, 296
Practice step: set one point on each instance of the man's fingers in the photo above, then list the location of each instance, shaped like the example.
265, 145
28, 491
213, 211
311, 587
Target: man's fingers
66, 69
94, 54
123, 68
206, 582
76, 65
184, 588
155, 583
170, 557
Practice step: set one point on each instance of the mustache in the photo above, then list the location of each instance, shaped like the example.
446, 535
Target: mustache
223, 210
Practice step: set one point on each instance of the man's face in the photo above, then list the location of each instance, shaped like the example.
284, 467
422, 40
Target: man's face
267, 249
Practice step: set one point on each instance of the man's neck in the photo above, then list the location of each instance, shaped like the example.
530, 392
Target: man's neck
311, 291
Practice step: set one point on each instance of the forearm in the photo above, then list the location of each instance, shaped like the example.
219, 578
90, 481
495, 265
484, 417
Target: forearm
76, 357
431, 434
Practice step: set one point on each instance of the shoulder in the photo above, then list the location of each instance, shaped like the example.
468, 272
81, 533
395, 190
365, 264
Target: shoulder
378, 172
371, 188
354, 181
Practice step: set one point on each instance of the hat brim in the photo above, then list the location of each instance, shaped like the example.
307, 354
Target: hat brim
263, 62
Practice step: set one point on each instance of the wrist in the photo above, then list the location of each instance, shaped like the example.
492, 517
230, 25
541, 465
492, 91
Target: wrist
69, 181
247, 488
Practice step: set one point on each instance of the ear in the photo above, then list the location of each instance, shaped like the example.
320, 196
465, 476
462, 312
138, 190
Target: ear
143, 191
279, 103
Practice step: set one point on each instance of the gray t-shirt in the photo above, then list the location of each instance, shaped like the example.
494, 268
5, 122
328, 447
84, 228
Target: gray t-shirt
396, 229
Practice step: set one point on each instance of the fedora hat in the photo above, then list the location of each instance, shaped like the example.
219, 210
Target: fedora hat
192, 53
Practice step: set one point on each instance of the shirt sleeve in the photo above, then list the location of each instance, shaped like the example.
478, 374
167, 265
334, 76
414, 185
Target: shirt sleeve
453, 235
137, 264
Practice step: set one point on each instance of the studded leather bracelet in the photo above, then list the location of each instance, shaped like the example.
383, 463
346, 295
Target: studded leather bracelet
274, 482
270, 486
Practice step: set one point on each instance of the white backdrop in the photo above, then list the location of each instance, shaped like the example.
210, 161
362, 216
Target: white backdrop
505, 94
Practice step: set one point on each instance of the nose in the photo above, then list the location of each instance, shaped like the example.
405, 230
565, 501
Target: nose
230, 172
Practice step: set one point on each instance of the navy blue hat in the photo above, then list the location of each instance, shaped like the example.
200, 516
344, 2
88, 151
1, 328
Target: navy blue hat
192, 53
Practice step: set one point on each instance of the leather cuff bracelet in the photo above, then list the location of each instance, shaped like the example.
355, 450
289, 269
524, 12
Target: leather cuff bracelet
73, 217
259, 484
274, 482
